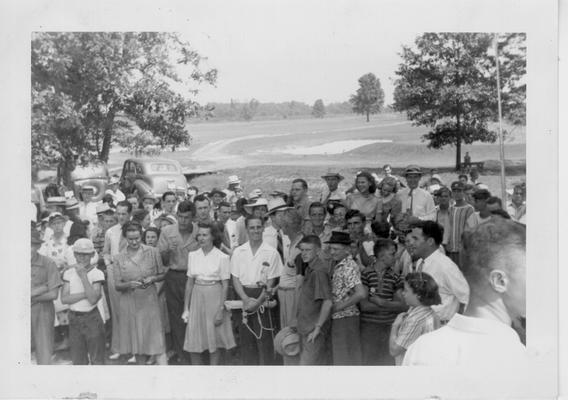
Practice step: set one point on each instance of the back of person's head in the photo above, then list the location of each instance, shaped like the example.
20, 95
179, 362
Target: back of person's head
425, 288
186, 206
293, 221
383, 245
240, 204
495, 200
502, 213
311, 239
353, 214
495, 244
381, 229
431, 229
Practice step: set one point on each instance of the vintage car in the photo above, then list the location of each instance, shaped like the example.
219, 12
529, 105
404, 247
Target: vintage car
93, 174
152, 175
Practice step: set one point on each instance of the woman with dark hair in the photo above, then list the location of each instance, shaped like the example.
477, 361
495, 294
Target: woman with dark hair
364, 199
137, 268
420, 292
208, 322
150, 236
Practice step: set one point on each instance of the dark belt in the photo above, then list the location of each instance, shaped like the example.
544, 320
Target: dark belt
179, 271
81, 313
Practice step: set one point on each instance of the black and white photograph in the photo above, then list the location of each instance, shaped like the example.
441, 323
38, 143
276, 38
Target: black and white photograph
282, 199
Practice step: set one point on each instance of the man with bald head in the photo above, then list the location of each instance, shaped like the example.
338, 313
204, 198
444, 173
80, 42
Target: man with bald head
495, 269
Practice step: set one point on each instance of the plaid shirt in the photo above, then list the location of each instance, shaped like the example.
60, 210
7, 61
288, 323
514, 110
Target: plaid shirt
344, 279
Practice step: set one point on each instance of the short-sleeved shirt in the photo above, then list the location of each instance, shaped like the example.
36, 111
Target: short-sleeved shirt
368, 206
252, 268
315, 289
76, 286
213, 266
422, 203
178, 258
383, 285
146, 262
458, 222
416, 322
55, 250
44, 271
345, 277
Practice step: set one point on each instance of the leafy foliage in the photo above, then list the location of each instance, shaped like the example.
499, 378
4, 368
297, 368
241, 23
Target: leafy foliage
82, 81
370, 97
318, 110
448, 82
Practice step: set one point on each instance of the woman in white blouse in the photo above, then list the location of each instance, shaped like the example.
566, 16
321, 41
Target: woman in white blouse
208, 322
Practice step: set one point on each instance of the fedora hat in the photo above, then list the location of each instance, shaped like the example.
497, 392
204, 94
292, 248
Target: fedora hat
259, 202
287, 342
332, 175
233, 180
215, 191
339, 238
412, 169
276, 204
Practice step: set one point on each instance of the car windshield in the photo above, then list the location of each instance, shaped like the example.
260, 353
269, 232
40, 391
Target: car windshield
163, 167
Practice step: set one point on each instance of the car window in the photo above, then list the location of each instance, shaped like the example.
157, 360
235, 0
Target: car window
163, 167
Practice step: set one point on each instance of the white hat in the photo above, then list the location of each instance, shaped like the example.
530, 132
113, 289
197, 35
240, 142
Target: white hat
233, 180
113, 179
84, 246
255, 194
101, 208
259, 202
277, 204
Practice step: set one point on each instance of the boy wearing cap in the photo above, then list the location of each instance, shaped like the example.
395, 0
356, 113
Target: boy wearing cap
114, 191
45, 283
82, 290
347, 290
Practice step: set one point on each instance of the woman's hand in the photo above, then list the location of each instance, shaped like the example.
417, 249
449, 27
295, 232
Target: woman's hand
185, 316
134, 284
219, 316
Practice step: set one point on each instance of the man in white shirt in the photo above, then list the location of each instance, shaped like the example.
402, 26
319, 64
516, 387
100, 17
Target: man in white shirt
495, 265
424, 242
517, 208
417, 203
88, 208
254, 268
114, 191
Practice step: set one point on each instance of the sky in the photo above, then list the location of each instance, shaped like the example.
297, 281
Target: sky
280, 52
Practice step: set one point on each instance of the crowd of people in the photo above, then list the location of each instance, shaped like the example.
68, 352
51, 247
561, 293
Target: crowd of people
393, 271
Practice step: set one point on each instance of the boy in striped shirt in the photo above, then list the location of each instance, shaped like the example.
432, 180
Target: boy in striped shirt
459, 215
380, 308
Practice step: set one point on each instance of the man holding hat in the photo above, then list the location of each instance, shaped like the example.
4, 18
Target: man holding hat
417, 203
45, 283
331, 191
82, 290
347, 290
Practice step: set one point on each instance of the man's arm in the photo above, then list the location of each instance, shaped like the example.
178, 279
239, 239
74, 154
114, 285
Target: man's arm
360, 292
325, 311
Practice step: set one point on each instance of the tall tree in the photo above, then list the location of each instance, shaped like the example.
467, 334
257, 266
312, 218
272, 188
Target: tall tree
318, 110
448, 83
81, 83
370, 97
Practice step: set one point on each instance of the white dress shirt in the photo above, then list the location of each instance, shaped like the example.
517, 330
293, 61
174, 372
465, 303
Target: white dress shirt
213, 266
471, 342
423, 206
253, 268
452, 286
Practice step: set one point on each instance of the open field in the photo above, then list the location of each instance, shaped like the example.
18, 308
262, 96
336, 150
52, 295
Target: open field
269, 154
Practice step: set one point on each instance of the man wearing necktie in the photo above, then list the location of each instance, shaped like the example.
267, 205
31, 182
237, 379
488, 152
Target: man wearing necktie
417, 204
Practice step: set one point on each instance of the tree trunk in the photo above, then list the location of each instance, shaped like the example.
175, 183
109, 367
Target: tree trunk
458, 144
367, 115
107, 138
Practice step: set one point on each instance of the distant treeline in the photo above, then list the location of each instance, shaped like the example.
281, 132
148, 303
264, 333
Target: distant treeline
254, 109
